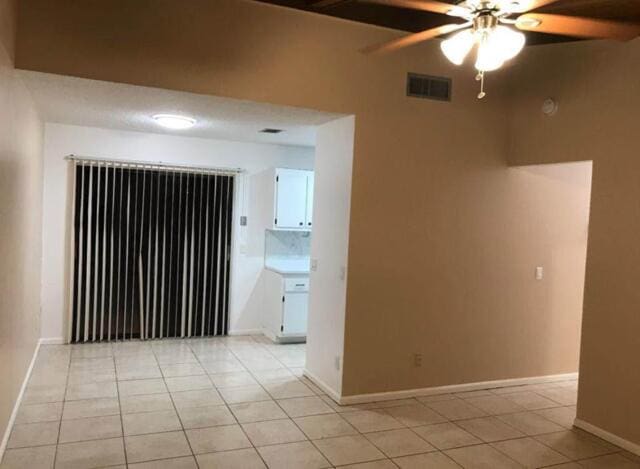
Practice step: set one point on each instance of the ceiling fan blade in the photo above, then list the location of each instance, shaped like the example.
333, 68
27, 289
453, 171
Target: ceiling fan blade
424, 5
578, 27
328, 3
535, 4
413, 39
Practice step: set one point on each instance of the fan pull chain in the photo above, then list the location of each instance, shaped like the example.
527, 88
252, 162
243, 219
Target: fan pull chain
480, 78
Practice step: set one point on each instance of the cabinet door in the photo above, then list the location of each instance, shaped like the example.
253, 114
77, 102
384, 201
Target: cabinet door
309, 218
291, 198
294, 319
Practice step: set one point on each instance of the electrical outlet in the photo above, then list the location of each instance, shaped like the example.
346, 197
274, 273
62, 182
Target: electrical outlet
539, 273
343, 273
417, 359
314, 265
337, 362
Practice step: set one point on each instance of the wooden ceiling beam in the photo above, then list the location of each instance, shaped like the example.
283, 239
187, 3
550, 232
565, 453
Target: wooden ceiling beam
327, 3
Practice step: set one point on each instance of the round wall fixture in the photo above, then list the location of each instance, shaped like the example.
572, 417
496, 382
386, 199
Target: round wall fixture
549, 107
174, 121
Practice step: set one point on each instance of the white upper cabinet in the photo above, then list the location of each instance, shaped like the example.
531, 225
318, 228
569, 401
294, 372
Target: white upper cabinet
293, 199
309, 219
282, 199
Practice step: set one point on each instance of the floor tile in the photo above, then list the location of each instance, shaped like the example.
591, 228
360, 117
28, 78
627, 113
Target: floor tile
156, 446
426, 461
301, 455
436, 398
273, 432
563, 416
530, 453
611, 461
415, 415
303, 406
202, 417
456, 409
125, 373
495, 405
381, 464
395, 443
91, 391
43, 394
233, 379
222, 438
236, 459
325, 426
288, 389
186, 462
573, 445
481, 457
33, 434
151, 422
181, 369
222, 366
141, 386
92, 428
38, 413
530, 400
490, 429
348, 450
257, 411
252, 393
90, 454
274, 376
530, 423
176, 358
90, 408
197, 398
562, 396
146, 403
372, 420
446, 435
188, 383
40, 457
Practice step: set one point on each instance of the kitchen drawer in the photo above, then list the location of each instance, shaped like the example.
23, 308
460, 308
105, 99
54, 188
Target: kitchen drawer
299, 284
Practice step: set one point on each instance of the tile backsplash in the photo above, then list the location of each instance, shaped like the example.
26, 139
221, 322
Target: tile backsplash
281, 244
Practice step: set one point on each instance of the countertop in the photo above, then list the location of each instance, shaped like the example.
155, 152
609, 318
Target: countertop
288, 266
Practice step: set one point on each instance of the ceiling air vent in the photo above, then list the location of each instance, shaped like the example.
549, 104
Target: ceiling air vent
271, 131
425, 86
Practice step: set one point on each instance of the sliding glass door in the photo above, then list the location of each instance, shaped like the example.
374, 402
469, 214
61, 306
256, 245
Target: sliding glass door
151, 252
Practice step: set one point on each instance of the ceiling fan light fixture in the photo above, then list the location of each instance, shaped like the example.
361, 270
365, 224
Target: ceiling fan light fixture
498, 46
457, 47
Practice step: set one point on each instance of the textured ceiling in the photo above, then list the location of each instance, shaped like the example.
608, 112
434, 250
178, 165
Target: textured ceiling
78, 101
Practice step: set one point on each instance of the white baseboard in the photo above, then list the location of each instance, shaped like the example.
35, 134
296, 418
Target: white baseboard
502, 383
607, 436
322, 385
53, 341
244, 332
14, 413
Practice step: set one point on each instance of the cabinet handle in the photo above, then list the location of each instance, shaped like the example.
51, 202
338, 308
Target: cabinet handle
301, 223
309, 223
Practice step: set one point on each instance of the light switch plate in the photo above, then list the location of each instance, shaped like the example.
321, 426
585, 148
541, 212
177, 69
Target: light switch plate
314, 265
539, 273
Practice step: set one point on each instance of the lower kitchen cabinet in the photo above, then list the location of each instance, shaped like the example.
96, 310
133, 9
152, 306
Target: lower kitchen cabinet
286, 306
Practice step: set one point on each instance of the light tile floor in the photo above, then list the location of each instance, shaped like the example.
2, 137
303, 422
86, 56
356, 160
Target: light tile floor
242, 402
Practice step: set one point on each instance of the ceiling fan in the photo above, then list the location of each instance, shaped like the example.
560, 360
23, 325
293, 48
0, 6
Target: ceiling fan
494, 27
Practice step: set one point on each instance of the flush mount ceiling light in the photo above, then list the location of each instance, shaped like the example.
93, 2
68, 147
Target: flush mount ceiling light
174, 121
490, 27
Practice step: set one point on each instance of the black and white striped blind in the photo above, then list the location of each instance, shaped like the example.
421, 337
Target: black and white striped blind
151, 251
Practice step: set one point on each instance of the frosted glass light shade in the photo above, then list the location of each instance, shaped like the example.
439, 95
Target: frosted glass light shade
500, 45
457, 47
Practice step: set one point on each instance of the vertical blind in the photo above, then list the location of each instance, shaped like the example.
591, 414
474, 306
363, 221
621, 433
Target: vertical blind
151, 252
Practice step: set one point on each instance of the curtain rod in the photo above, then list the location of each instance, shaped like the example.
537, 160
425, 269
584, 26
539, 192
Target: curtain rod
154, 165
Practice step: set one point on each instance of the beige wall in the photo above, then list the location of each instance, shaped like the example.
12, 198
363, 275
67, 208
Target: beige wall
20, 228
597, 87
444, 238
